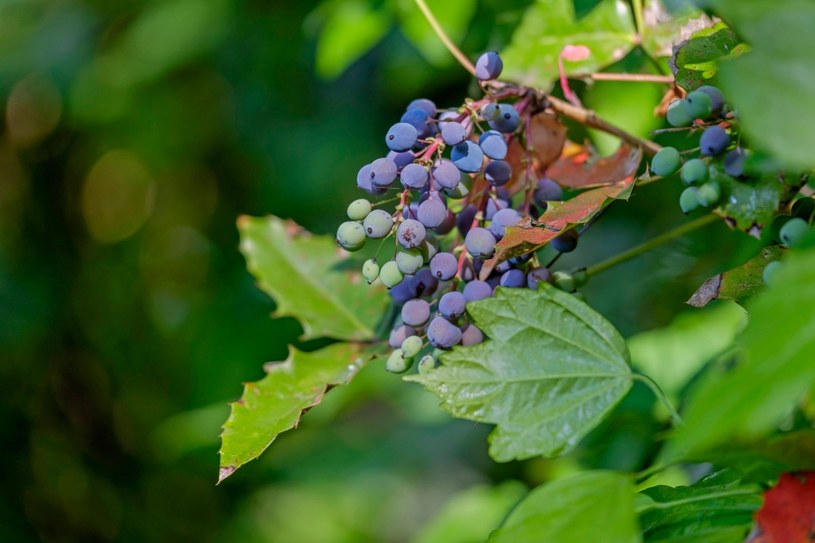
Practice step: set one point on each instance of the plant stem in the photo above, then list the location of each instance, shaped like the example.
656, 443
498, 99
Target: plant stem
651, 244
590, 119
643, 78
638, 18
445, 39
660, 394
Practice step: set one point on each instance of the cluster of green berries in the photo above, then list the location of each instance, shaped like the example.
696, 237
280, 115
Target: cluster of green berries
704, 107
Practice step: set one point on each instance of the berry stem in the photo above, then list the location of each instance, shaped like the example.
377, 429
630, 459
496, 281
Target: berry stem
651, 244
660, 395
445, 39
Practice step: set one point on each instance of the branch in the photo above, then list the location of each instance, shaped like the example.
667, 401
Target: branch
590, 119
445, 39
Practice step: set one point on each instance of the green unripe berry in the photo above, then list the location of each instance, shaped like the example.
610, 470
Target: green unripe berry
397, 362
666, 161
359, 209
693, 171
716, 97
390, 274
426, 364
676, 114
770, 270
370, 270
564, 281
698, 105
409, 260
351, 236
688, 200
411, 346
793, 230
378, 224
709, 194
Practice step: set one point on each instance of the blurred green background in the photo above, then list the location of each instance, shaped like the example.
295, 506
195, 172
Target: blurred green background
133, 134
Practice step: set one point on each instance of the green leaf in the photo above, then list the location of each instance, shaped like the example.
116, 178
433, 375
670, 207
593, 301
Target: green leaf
550, 372
674, 354
663, 27
750, 205
774, 372
765, 459
454, 18
275, 403
299, 271
591, 506
739, 283
718, 508
350, 29
776, 110
695, 62
550, 25
471, 515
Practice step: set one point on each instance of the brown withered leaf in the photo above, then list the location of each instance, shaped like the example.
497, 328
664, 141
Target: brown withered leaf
739, 283
560, 216
547, 136
584, 170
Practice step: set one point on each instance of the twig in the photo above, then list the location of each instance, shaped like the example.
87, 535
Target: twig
445, 39
590, 119
651, 244
644, 78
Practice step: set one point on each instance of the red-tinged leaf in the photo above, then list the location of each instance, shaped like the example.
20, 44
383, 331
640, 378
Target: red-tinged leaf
788, 513
559, 217
584, 170
547, 136
739, 283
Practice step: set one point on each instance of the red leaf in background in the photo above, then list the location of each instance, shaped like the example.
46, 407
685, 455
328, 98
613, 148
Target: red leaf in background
583, 170
560, 216
788, 513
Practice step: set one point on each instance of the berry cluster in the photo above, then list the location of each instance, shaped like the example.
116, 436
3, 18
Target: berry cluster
450, 173
720, 159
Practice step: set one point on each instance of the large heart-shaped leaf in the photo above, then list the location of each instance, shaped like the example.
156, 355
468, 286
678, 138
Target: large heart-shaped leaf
550, 372
275, 403
559, 216
299, 270
591, 506
550, 25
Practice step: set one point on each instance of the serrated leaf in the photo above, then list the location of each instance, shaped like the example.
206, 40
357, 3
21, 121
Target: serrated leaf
590, 506
776, 110
299, 270
350, 29
550, 25
739, 283
559, 217
275, 403
773, 374
472, 514
454, 17
551, 371
719, 507
695, 62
